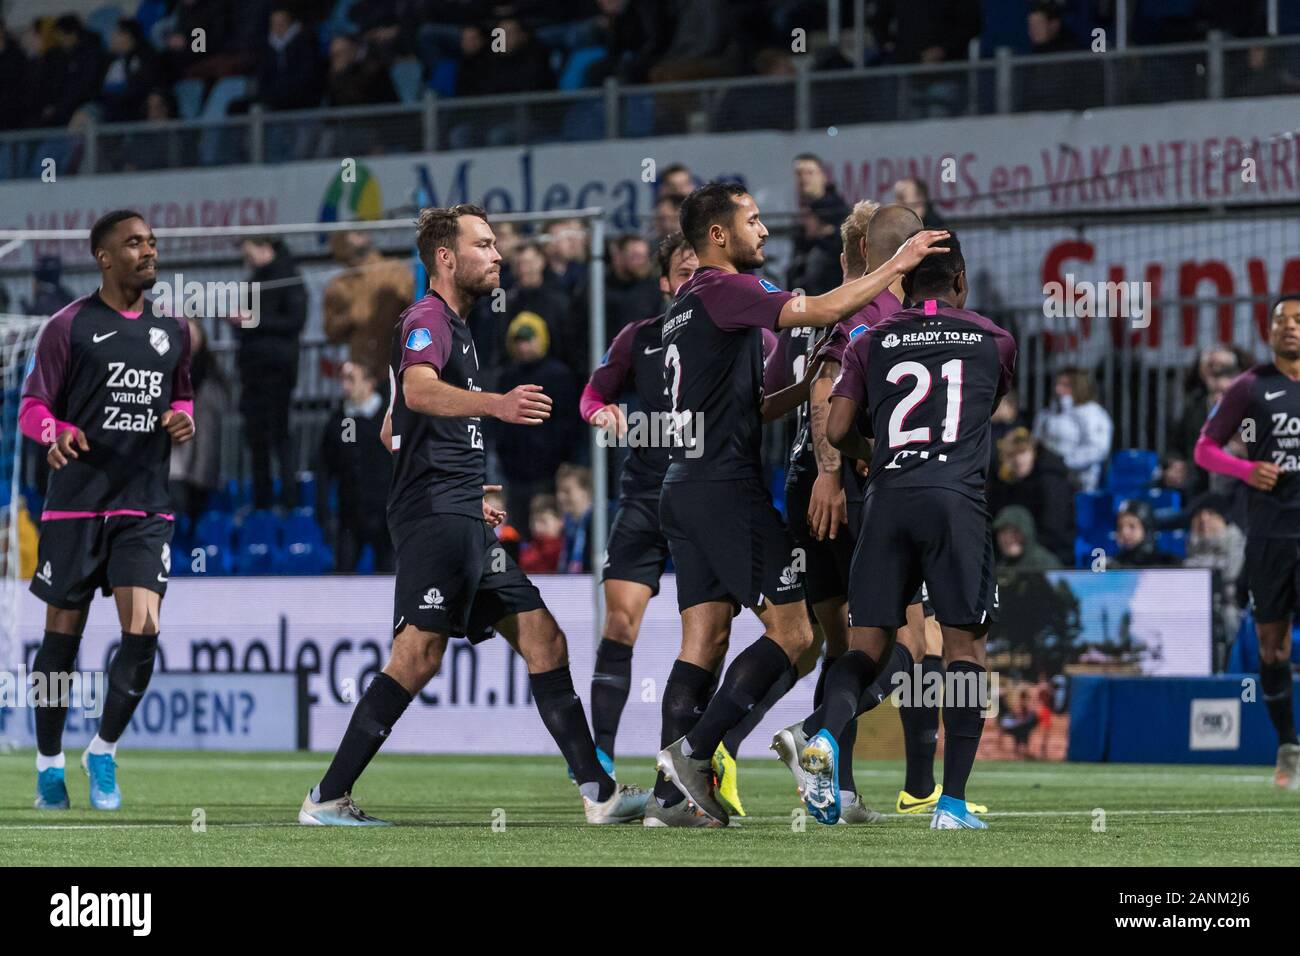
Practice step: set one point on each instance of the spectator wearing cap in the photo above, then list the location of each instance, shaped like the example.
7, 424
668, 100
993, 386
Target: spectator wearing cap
1035, 478
1017, 542
529, 292
49, 294
529, 455
1076, 427
1135, 533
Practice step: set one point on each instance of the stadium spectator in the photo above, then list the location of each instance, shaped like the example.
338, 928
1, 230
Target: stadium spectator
353, 459
667, 217
195, 470
915, 194
1136, 536
77, 65
1206, 381
1047, 32
1006, 418
573, 492
1017, 542
1076, 427
14, 100
1018, 721
474, 72
202, 54
355, 79
565, 245
702, 45
530, 455
676, 180
930, 32
815, 267
159, 148
362, 303
1215, 543
268, 365
132, 72
49, 294
1264, 75
811, 182
633, 33
541, 553
530, 293
631, 286
1034, 477
506, 532
289, 77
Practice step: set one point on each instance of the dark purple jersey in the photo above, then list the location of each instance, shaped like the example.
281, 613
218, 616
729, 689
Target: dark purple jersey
713, 371
1265, 405
635, 363
930, 378
113, 376
438, 463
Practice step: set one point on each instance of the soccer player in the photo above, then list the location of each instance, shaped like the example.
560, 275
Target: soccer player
108, 393
637, 550
929, 378
823, 505
1264, 403
727, 541
453, 578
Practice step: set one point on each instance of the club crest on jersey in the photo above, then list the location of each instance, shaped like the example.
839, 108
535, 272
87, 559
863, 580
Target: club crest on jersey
432, 599
889, 340
768, 286
159, 340
419, 339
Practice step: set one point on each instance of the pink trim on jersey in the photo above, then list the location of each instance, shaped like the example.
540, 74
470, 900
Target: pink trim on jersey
119, 513
590, 403
32, 416
1213, 458
184, 405
931, 307
131, 315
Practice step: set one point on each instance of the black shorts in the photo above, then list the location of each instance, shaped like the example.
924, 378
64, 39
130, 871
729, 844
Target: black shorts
637, 548
455, 578
1272, 569
728, 544
826, 574
931, 535
78, 555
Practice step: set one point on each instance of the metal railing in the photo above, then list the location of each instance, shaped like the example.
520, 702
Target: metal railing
1216, 69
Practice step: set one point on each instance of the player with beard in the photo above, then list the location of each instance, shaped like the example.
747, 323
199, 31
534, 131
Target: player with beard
108, 393
453, 578
1264, 402
727, 541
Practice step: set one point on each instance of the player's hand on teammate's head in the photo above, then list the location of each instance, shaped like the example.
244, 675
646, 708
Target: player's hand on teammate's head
925, 243
1264, 475
612, 419
66, 446
179, 425
524, 405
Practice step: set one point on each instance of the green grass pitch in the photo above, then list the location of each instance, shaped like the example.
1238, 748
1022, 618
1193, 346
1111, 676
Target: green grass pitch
1041, 814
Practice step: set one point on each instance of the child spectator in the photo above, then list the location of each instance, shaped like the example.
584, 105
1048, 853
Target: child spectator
542, 552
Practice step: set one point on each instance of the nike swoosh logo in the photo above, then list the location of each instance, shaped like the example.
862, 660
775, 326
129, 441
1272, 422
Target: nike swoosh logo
161, 579
1269, 396
905, 805
99, 338
653, 351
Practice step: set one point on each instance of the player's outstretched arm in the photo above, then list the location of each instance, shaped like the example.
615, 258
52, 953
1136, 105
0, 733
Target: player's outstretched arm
783, 401
841, 428
830, 307
426, 393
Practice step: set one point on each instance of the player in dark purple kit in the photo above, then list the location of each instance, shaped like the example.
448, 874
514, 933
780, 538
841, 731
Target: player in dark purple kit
929, 377
1264, 404
728, 542
108, 393
453, 578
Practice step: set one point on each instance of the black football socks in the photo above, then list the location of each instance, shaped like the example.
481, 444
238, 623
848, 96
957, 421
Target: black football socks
128, 677
610, 683
921, 731
845, 684
963, 723
686, 696
737, 734
564, 717
747, 681
1275, 687
56, 657
383, 702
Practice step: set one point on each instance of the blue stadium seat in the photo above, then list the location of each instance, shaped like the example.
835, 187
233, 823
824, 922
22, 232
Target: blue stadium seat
214, 533
103, 20
574, 76
1004, 25
443, 78
1172, 542
257, 543
304, 551
189, 98
219, 145
1131, 471
407, 76
1094, 512
307, 491
148, 13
